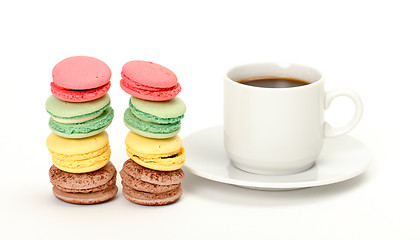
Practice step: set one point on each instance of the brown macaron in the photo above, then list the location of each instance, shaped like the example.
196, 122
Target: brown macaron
84, 188
150, 187
151, 199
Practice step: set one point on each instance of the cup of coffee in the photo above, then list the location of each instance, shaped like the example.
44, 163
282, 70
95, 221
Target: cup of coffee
274, 117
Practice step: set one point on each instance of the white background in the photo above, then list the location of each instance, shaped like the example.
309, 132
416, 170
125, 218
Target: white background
369, 46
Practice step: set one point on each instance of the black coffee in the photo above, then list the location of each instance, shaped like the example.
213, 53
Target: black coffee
273, 82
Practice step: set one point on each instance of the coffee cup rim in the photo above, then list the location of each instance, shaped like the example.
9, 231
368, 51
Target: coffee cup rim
312, 83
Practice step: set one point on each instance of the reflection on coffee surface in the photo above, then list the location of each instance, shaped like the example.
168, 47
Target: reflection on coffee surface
273, 82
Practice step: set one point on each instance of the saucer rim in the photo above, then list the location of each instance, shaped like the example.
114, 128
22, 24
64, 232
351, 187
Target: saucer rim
277, 185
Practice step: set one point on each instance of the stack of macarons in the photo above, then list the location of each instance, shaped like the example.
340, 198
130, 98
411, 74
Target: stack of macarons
153, 174
80, 112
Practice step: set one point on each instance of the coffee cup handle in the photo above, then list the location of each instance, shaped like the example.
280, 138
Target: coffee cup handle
330, 131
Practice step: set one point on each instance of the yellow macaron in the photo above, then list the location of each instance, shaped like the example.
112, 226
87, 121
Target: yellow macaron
79, 155
158, 154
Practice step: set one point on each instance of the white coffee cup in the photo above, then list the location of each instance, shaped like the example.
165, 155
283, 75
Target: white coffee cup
276, 131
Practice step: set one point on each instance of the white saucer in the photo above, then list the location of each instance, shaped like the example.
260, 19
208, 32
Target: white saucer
342, 158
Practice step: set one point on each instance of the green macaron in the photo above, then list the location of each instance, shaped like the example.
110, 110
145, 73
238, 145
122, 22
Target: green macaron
155, 119
79, 120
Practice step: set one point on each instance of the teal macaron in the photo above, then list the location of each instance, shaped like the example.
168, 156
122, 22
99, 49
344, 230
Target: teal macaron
155, 119
79, 120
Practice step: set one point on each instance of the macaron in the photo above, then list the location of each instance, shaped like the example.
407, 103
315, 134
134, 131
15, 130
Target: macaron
151, 199
79, 120
150, 187
155, 119
149, 81
79, 155
148, 180
84, 188
80, 79
157, 154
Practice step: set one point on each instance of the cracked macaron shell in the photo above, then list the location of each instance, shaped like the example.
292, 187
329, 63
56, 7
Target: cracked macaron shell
158, 154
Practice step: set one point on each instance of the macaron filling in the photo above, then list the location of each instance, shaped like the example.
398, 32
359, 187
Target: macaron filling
100, 122
152, 118
77, 119
161, 162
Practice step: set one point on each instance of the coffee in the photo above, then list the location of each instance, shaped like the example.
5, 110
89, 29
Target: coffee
273, 82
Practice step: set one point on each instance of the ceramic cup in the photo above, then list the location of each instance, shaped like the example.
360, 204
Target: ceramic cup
277, 131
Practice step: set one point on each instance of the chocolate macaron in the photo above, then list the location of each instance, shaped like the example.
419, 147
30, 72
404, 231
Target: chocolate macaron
150, 187
84, 188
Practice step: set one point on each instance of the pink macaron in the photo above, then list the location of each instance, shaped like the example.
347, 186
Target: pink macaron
149, 81
80, 79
